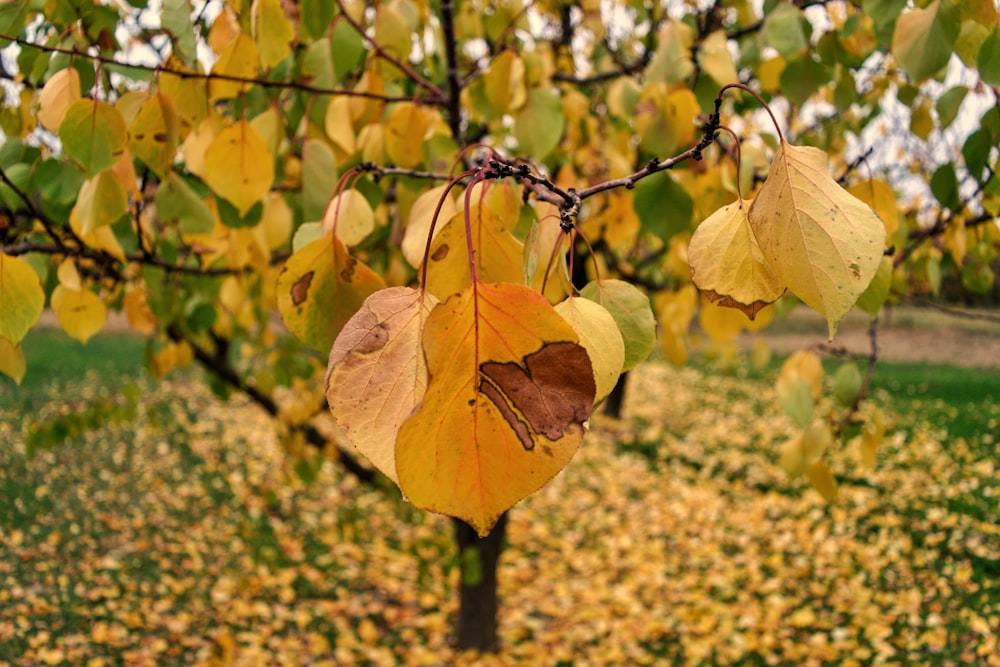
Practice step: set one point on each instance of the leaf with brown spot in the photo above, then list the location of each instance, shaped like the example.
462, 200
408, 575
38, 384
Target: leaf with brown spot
509, 392
377, 374
319, 289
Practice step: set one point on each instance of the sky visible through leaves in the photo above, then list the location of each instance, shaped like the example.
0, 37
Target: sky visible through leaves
673, 537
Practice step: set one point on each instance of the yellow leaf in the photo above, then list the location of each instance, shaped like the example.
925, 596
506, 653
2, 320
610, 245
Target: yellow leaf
239, 167
599, 335
404, 134
822, 243
68, 275
275, 221
12, 362
364, 109
377, 374
821, 478
807, 365
769, 73
350, 217
716, 60
274, 33
59, 93
238, 59
721, 324
153, 134
188, 94
547, 243
676, 310
320, 287
727, 264
871, 438
497, 253
136, 306
338, 126
102, 201
503, 83
80, 312
508, 395
879, 195
418, 223
197, 142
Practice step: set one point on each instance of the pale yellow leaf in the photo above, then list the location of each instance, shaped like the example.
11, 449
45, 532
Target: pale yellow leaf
350, 217
600, 337
377, 374
821, 242
727, 263
418, 223
60, 91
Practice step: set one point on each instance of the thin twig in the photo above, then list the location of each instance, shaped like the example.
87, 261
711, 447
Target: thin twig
187, 74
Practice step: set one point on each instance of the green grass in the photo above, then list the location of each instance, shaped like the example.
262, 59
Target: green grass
55, 361
965, 401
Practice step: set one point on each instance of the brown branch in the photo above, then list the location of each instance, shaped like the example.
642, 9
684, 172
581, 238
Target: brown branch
399, 63
187, 74
216, 362
956, 312
86, 252
453, 102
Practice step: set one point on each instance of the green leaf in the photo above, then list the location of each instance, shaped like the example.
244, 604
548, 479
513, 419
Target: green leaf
924, 38
944, 185
663, 205
976, 151
12, 16
102, 202
802, 77
21, 298
539, 124
93, 133
948, 105
989, 59
877, 292
319, 178
315, 17
847, 383
175, 17
784, 30
630, 308
177, 202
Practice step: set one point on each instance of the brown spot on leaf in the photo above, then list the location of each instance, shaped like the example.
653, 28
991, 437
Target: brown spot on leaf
347, 273
374, 340
551, 393
160, 136
300, 290
440, 253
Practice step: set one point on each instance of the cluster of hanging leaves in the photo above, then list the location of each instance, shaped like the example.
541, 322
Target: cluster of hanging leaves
265, 155
474, 389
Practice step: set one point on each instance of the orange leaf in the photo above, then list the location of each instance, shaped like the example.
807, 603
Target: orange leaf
508, 395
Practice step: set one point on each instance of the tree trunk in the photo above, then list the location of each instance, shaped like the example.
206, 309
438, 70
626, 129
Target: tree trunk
476, 626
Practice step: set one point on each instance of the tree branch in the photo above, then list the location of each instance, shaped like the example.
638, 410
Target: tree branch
219, 365
187, 74
399, 63
453, 102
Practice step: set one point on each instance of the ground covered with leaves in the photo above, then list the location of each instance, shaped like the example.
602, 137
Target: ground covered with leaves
177, 534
